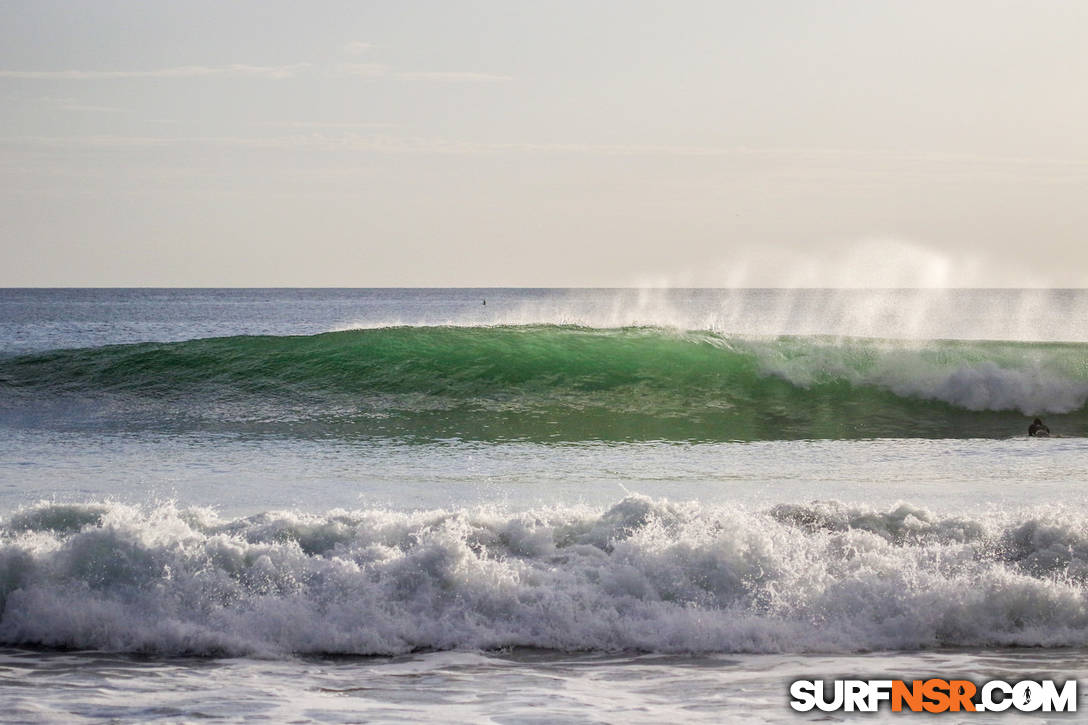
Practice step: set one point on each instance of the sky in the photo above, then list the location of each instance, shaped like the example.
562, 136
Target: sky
582, 143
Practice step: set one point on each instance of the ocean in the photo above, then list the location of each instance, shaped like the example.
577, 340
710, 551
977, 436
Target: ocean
517, 505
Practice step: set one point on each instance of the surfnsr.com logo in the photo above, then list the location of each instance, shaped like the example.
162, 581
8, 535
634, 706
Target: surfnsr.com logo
933, 695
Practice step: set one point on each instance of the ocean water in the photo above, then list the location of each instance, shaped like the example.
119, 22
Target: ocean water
558, 506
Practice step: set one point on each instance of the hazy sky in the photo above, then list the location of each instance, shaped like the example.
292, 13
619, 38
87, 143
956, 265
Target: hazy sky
601, 143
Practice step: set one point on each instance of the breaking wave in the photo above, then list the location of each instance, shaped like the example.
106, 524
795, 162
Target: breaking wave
559, 383
644, 575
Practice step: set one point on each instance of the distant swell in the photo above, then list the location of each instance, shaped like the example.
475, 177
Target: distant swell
642, 575
558, 383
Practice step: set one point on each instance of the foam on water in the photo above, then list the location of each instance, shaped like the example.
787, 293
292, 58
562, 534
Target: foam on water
646, 575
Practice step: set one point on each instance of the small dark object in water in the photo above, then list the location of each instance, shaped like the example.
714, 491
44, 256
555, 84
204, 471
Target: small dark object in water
1038, 429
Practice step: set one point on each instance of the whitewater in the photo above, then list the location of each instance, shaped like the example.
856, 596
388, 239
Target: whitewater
563, 505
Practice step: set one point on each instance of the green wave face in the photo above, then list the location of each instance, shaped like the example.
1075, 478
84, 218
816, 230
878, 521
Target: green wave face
560, 383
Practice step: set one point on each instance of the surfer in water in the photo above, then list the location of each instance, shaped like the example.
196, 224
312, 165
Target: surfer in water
1038, 429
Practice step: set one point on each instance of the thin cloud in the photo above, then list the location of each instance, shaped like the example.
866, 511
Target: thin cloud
840, 159
357, 47
87, 142
364, 70
378, 70
186, 71
326, 124
454, 77
275, 72
73, 105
